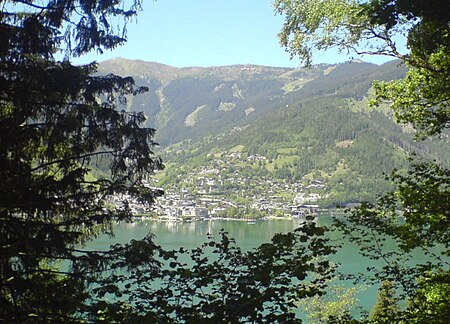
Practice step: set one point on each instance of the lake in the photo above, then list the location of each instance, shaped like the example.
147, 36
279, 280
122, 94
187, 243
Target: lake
172, 235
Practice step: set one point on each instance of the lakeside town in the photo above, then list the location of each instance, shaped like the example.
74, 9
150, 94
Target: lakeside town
223, 189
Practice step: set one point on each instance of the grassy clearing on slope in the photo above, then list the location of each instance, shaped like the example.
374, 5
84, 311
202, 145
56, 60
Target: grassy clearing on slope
192, 118
294, 85
237, 148
281, 161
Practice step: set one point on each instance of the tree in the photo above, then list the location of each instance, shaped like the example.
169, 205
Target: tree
386, 308
416, 217
374, 28
59, 124
416, 214
219, 283
57, 121
335, 304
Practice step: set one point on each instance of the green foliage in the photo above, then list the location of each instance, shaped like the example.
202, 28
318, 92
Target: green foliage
416, 217
422, 97
369, 27
219, 283
56, 122
335, 304
319, 24
385, 309
422, 196
430, 303
416, 214
243, 212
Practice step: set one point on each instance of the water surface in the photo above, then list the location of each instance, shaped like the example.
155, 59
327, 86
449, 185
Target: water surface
171, 235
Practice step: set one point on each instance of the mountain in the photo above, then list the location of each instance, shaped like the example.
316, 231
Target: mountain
291, 125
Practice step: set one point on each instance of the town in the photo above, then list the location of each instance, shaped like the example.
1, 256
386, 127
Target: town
223, 188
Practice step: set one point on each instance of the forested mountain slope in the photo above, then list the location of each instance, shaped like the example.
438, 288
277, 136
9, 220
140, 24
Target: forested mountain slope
306, 124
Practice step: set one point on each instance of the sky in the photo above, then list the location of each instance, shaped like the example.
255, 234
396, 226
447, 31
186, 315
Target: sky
206, 33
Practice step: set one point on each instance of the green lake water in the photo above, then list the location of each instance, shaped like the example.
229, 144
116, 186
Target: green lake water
171, 235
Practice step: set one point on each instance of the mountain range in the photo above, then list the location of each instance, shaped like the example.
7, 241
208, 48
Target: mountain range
307, 123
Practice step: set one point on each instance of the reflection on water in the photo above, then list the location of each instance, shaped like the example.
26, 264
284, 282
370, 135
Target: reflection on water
173, 235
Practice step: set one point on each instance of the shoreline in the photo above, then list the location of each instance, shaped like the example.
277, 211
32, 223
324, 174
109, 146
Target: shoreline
328, 212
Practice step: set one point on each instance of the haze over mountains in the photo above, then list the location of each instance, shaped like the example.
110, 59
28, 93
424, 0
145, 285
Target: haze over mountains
302, 121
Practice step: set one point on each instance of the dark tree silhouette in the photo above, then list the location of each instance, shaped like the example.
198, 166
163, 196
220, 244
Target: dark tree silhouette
56, 122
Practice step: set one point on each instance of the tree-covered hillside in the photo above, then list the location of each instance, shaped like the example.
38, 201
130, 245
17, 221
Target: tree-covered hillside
308, 124
350, 151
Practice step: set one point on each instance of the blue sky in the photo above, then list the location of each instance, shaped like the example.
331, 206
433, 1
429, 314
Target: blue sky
209, 33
